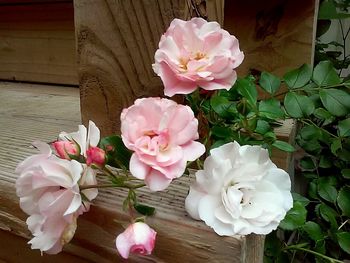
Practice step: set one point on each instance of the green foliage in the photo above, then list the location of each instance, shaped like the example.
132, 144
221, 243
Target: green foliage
117, 154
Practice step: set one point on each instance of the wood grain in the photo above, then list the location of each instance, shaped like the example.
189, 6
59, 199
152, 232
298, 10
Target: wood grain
275, 35
31, 112
37, 42
116, 49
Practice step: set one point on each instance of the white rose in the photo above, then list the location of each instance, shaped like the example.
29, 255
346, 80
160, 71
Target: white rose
240, 191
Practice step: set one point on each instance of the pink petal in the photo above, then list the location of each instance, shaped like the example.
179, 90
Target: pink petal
156, 181
137, 168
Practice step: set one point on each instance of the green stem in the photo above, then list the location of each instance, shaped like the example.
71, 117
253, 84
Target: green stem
129, 186
333, 260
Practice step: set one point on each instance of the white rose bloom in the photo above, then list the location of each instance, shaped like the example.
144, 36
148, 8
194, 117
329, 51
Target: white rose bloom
240, 191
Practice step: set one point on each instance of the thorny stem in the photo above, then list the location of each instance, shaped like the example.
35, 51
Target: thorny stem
314, 124
295, 247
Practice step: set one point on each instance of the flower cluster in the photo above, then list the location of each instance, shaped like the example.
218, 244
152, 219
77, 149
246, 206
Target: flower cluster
239, 191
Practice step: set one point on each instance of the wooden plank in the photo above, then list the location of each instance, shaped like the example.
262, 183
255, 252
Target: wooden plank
275, 35
37, 42
31, 112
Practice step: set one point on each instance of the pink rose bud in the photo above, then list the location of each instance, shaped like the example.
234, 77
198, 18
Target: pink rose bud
95, 156
65, 149
137, 238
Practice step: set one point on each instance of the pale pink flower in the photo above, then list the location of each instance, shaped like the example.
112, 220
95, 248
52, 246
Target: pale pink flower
240, 191
137, 238
162, 135
196, 53
95, 156
49, 192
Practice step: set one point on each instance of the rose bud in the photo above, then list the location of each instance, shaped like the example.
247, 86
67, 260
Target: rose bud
95, 156
137, 238
66, 149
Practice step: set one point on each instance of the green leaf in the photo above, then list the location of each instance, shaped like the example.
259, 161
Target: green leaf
223, 107
284, 146
343, 200
271, 109
314, 230
324, 115
117, 154
307, 164
335, 146
298, 77
344, 128
269, 82
325, 162
328, 10
325, 74
344, 241
346, 173
301, 199
322, 28
295, 217
144, 209
221, 132
335, 101
328, 214
262, 127
326, 190
312, 190
298, 106
247, 89
310, 132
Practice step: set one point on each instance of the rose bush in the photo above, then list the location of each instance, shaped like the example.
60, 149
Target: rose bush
162, 135
137, 238
240, 191
196, 53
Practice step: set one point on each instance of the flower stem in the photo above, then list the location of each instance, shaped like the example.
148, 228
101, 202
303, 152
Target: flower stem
296, 247
129, 186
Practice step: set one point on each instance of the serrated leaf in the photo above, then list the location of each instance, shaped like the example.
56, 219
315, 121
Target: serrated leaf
247, 89
145, 209
298, 106
222, 106
269, 82
343, 200
336, 101
326, 190
307, 164
298, 77
344, 241
301, 199
325, 74
284, 146
335, 146
271, 109
325, 162
324, 115
295, 217
344, 128
328, 214
314, 230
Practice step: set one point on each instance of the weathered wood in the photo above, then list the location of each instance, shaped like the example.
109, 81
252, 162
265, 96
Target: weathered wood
37, 41
275, 35
116, 49
31, 112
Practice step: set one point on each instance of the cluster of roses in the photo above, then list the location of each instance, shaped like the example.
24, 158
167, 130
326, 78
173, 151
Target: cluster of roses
239, 191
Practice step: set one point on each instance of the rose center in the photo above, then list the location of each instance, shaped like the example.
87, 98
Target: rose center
160, 138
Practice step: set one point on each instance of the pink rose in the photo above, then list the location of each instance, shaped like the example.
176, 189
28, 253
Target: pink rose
95, 156
196, 53
66, 149
161, 133
49, 192
137, 238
